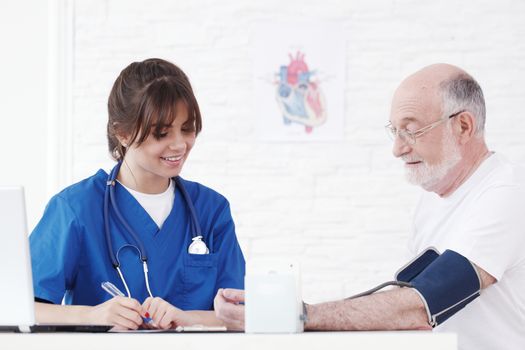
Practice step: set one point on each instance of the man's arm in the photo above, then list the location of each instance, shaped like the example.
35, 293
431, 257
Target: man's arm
486, 278
396, 309
229, 307
403, 307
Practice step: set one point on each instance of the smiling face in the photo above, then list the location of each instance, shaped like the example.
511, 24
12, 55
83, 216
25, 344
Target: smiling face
153, 119
148, 166
416, 104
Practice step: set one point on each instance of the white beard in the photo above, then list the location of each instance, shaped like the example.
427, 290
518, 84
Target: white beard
427, 176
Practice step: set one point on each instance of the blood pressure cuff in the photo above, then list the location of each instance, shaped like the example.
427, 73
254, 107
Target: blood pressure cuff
445, 283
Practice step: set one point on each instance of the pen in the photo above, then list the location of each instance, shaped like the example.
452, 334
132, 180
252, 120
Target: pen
114, 292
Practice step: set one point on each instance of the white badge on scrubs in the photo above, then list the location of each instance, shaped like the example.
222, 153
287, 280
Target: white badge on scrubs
197, 246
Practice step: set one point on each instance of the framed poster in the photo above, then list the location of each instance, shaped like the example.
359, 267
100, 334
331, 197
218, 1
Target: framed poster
299, 75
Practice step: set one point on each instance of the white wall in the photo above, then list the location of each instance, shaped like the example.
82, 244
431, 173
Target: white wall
342, 208
23, 99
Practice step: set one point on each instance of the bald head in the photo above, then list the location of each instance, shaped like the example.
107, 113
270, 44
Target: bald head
439, 90
433, 75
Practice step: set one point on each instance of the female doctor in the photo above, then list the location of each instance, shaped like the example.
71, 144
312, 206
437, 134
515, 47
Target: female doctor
166, 243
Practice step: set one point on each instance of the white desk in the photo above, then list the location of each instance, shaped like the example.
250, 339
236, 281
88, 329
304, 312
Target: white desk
231, 341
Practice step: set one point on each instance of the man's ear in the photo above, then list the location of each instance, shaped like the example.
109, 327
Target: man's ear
466, 124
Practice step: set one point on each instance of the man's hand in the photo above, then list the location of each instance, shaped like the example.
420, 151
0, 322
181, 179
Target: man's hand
229, 308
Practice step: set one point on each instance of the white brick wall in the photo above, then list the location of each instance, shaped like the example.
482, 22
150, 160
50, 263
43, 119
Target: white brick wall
24, 161
342, 208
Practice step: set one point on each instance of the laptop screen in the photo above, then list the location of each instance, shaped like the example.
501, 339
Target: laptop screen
16, 294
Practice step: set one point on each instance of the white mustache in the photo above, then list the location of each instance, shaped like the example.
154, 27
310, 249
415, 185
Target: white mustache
408, 159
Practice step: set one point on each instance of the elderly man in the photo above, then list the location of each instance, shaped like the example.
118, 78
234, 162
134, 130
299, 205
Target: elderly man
473, 207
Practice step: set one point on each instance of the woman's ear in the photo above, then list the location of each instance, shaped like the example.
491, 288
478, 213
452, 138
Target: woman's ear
123, 140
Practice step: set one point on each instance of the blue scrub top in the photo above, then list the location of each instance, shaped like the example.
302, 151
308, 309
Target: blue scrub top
70, 256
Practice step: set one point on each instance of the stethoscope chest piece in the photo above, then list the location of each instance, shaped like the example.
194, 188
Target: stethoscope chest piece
197, 246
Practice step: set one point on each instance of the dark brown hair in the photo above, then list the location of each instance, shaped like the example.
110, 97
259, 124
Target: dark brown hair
143, 100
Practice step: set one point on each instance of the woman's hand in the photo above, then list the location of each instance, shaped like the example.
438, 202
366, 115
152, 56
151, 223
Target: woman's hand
122, 312
165, 316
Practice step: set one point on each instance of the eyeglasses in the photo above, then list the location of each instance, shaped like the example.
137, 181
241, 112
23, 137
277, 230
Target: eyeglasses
411, 136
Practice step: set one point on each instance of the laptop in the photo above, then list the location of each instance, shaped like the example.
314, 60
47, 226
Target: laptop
16, 293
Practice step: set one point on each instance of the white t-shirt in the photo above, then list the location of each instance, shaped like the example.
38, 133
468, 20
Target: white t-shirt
483, 220
158, 206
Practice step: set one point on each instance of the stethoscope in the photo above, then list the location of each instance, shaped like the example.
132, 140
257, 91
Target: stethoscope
197, 245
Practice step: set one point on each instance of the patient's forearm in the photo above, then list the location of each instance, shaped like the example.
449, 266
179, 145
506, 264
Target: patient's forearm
396, 309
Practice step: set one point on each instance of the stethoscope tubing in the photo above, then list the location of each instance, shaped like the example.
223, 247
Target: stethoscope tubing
138, 241
110, 200
196, 227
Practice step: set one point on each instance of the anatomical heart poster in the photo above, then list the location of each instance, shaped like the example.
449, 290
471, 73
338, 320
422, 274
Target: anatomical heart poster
299, 75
